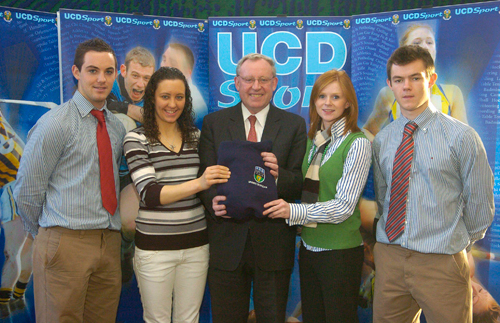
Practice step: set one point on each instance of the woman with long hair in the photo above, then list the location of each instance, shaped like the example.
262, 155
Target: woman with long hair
335, 169
171, 256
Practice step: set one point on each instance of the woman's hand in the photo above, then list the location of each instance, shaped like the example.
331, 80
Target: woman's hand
214, 175
277, 209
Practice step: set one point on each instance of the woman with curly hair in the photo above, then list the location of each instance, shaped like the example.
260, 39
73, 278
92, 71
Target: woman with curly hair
171, 256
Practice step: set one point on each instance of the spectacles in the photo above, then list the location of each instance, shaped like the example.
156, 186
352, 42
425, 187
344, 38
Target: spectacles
262, 80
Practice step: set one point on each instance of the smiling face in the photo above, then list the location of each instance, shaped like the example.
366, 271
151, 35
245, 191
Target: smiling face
424, 38
96, 77
331, 104
255, 95
411, 85
170, 98
136, 77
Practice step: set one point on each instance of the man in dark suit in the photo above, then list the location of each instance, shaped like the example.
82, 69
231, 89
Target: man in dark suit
254, 250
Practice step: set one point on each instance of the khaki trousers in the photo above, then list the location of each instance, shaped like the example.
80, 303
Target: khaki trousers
408, 282
77, 275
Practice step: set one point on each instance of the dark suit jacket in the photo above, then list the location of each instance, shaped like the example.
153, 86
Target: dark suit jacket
273, 240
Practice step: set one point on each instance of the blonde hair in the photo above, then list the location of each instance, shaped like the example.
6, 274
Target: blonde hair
410, 29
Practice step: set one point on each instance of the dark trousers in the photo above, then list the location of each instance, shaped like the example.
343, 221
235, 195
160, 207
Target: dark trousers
329, 284
230, 291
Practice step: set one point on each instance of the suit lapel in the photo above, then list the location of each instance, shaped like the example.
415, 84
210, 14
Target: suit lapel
236, 126
273, 124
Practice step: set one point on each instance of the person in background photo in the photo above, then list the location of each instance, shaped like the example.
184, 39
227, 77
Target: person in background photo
485, 308
17, 266
448, 98
126, 101
335, 168
67, 196
181, 57
171, 257
126, 97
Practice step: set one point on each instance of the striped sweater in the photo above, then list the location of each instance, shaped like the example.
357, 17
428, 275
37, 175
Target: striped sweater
178, 225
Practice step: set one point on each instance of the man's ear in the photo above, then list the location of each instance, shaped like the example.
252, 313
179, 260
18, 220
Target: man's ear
123, 70
76, 72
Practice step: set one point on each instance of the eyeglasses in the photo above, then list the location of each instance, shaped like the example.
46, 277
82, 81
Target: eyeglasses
262, 80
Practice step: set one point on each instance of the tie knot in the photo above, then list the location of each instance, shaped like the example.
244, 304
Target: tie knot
99, 114
410, 128
252, 120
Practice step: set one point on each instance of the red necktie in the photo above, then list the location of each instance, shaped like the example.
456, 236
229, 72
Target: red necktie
399, 186
252, 134
108, 190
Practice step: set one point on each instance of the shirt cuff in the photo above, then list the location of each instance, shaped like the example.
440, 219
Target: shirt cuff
152, 197
298, 214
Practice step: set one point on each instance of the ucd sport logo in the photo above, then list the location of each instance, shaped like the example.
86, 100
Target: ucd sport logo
395, 19
201, 27
7, 16
108, 21
259, 174
447, 14
300, 24
156, 24
347, 24
253, 24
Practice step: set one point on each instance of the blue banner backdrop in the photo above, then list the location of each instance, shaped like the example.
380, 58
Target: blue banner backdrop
29, 86
303, 48
467, 61
29, 64
124, 32
156, 34
465, 43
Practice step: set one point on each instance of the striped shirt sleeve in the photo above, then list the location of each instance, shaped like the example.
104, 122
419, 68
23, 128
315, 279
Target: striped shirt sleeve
141, 168
349, 189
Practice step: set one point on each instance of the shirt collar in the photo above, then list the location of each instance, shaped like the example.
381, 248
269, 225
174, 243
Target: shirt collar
84, 106
261, 115
423, 119
338, 129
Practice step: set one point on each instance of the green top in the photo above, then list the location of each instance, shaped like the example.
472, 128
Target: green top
344, 235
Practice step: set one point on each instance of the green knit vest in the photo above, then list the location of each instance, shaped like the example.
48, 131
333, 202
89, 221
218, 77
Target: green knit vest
344, 235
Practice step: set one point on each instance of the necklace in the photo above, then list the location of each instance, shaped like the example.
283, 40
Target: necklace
169, 144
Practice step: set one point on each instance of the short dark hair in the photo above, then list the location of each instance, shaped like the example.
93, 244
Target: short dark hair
186, 119
405, 55
96, 45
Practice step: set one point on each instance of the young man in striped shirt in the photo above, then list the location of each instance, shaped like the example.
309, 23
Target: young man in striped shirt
67, 198
434, 190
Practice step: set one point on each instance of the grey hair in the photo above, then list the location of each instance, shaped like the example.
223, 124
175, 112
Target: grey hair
255, 57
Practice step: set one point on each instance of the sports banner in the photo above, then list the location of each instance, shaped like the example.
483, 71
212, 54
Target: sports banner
160, 41
29, 86
303, 48
29, 66
176, 42
465, 44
